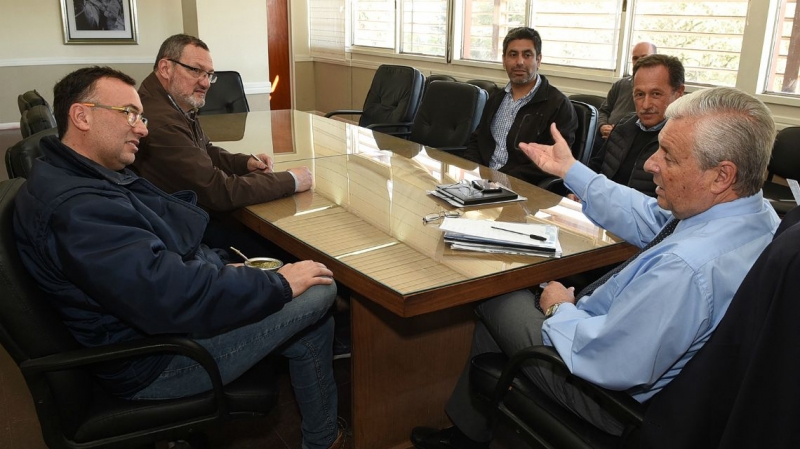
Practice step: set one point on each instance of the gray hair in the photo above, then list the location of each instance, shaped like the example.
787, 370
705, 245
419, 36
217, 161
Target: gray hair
730, 125
172, 48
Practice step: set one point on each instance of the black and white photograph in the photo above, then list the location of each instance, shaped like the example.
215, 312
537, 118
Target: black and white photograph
99, 21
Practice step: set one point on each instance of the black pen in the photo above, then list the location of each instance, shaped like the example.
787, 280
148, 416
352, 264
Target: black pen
533, 236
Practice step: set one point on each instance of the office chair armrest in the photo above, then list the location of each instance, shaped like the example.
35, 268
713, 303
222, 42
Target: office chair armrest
618, 403
555, 185
379, 126
344, 112
84, 357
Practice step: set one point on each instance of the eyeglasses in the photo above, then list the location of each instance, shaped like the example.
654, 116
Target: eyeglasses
196, 72
130, 114
430, 218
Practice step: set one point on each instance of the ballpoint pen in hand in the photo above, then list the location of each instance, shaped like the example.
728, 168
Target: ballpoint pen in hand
533, 236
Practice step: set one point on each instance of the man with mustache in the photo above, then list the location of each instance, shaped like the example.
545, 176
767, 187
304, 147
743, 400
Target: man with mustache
658, 80
521, 112
177, 154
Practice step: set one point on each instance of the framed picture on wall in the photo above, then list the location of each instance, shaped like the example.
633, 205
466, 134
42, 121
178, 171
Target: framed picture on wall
99, 21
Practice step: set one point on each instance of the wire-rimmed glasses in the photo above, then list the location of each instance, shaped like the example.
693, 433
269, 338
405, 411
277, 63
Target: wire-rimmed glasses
131, 115
196, 71
436, 216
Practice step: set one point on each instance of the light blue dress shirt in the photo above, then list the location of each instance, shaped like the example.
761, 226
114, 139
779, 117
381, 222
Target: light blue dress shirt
639, 329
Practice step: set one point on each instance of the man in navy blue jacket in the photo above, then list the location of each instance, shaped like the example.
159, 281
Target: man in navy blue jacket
123, 260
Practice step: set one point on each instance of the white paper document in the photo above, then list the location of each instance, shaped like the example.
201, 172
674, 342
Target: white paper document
502, 237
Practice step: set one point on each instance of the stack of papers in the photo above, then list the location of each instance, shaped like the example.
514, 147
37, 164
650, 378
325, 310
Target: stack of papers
501, 237
460, 195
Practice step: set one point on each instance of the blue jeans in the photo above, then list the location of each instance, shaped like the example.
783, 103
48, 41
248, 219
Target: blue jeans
300, 331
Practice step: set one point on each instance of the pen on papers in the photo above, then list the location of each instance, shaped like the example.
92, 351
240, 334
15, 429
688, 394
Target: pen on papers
533, 236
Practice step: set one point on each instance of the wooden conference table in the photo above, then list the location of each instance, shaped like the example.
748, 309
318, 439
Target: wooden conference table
412, 297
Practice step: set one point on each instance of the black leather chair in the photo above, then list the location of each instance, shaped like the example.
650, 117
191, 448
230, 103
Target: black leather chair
74, 412
20, 156
489, 86
35, 119
594, 100
30, 99
392, 100
225, 96
449, 113
739, 390
585, 136
785, 162
436, 77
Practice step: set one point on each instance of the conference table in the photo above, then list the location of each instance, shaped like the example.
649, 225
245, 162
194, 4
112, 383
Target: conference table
412, 297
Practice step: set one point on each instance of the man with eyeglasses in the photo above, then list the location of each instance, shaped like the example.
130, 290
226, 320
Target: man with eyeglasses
122, 260
177, 155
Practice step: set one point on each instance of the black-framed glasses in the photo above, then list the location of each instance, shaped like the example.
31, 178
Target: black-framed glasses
197, 72
436, 216
130, 114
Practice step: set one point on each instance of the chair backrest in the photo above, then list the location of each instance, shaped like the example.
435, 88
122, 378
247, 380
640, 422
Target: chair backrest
785, 160
436, 77
449, 113
30, 327
226, 95
586, 132
393, 96
594, 100
36, 118
30, 99
489, 86
20, 156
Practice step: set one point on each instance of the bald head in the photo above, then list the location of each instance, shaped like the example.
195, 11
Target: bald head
641, 50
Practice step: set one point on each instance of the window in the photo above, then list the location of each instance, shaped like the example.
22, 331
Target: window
424, 27
326, 25
705, 36
373, 23
485, 24
784, 68
708, 36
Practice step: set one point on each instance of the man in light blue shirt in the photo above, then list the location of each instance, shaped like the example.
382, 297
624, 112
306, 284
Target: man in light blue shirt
636, 330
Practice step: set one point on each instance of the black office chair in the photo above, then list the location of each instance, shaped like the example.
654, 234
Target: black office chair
74, 412
30, 99
489, 86
785, 162
699, 406
585, 136
225, 96
449, 113
20, 156
392, 100
35, 119
436, 77
594, 100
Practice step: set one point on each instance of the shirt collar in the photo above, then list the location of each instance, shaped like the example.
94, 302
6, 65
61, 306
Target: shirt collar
654, 128
530, 94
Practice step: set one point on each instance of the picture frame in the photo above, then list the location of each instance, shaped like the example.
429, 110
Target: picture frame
99, 21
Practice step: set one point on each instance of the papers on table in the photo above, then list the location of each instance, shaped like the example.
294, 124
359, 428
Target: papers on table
481, 235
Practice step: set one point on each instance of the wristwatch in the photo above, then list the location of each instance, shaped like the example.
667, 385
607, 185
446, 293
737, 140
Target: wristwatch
552, 310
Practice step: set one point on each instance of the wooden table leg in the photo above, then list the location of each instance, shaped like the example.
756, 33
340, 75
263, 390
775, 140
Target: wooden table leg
404, 370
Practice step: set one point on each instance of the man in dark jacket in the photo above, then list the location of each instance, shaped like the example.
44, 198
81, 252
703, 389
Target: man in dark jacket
123, 260
522, 112
658, 80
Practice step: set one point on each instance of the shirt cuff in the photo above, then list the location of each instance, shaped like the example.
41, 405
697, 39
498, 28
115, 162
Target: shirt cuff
296, 183
578, 178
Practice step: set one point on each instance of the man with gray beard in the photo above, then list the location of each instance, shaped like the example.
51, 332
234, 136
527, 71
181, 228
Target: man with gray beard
177, 154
